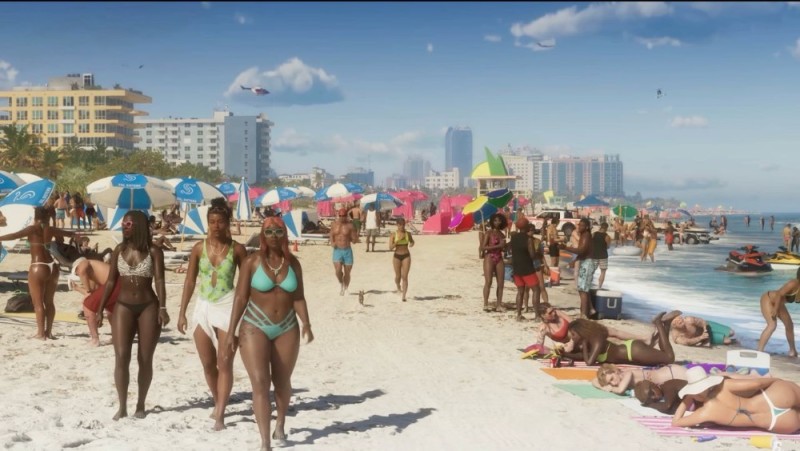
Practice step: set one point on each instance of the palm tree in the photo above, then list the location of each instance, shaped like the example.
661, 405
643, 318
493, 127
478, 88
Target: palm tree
19, 148
52, 163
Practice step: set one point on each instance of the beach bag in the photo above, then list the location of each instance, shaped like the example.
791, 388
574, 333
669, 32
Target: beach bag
19, 303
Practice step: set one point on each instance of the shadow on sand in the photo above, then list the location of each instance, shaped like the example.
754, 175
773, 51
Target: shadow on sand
398, 421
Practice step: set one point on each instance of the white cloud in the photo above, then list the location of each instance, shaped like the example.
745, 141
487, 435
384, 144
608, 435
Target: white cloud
241, 19
430, 48
340, 147
291, 83
290, 140
689, 122
650, 43
572, 21
205, 5
795, 50
8, 74
492, 38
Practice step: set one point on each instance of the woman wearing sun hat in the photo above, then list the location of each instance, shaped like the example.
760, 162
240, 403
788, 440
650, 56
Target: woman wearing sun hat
765, 403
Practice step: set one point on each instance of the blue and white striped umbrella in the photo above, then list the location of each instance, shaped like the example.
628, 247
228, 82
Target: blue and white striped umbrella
195, 222
34, 194
275, 196
244, 209
304, 191
9, 182
193, 191
131, 191
338, 189
382, 201
228, 188
294, 221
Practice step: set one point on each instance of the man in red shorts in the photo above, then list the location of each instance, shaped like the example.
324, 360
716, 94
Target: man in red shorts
522, 254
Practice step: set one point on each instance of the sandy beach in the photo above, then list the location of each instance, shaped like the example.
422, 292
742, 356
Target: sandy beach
432, 373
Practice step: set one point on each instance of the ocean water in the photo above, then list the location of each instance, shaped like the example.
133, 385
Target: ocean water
686, 279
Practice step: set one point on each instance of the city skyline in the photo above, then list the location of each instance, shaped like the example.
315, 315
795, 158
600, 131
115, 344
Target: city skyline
698, 99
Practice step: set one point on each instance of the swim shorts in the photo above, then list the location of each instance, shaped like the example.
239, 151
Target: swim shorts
586, 270
343, 255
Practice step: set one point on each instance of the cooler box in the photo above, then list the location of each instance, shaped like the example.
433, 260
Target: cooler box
607, 303
755, 361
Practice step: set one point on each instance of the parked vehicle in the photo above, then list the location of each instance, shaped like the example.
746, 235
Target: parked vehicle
749, 261
567, 221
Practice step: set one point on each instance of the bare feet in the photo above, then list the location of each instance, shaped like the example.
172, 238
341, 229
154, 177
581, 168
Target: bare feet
219, 425
94, 342
279, 434
139, 414
520, 318
121, 413
341, 292
500, 307
792, 353
39, 337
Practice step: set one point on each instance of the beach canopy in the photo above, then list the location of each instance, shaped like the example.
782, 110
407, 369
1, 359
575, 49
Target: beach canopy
381, 201
34, 194
228, 188
275, 196
591, 201
9, 182
131, 191
338, 190
195, 222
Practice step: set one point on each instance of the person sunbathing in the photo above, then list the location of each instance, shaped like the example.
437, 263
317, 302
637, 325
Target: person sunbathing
662, 397
694, 331
593, 339
770, 404
614, 379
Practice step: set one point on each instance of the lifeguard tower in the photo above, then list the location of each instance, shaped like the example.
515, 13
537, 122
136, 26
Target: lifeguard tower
491, 174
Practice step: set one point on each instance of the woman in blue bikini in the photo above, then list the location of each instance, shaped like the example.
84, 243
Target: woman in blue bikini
215, 260
43, 272
764, 403
269, 298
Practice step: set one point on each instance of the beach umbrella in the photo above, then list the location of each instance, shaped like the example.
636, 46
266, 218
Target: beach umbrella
244, 210
627, 212
34, 194
195, 222
480, 209
275, 196
460, 200
382, 201
412, 195
9, 182
193, 191
304, 191
252, 192
27, 177
228, 188
294, 222
461, 222
499, 198
131, 191
338, 190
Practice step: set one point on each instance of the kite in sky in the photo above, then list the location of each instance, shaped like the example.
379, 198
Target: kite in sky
257, 90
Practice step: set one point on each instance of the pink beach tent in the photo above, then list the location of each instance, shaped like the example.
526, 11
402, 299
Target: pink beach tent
325, 208
437, 224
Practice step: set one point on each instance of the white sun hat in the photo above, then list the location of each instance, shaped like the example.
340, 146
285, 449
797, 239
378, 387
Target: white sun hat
699, 381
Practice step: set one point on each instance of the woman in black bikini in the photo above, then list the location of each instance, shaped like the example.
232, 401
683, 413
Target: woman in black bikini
43, 272
399, 242
139, 310
773, 306
494, 242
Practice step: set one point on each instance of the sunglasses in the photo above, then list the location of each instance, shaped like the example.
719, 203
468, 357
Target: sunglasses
127, 224
274, 232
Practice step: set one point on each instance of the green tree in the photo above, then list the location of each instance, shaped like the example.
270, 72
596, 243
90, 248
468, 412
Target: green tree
52, 163
73, 178
20, 149
149, 162
197, 171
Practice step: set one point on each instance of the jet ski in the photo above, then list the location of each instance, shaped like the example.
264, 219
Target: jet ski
750, 261
783, 259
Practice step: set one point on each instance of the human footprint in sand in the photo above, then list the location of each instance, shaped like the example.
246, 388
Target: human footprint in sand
43, 271
773, 307
270, 298
139, 310
215, 260
342, 235
400, 241
592, 337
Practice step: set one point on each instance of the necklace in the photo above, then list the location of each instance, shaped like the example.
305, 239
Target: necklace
278, 269
216, 251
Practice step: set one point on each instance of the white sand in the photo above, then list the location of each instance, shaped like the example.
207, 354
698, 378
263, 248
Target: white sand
433, 373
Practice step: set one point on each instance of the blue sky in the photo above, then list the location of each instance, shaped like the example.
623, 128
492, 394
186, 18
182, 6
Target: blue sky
353, 83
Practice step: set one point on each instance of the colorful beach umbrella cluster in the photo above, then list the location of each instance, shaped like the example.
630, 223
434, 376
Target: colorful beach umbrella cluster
480, 209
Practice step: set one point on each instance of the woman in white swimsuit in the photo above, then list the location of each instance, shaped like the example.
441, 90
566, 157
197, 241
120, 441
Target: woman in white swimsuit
43, 272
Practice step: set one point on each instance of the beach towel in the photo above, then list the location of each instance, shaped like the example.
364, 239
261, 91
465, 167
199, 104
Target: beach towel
663, 426
572, 374
586, 391
635, 405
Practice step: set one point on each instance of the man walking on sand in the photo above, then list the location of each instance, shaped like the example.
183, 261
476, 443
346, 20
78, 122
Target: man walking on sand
373, 224
356, 216
342, 235
586, 265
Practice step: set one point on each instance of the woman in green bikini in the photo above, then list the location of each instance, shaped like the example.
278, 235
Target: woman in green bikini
399, 242
215, 260
269, 298
592, 337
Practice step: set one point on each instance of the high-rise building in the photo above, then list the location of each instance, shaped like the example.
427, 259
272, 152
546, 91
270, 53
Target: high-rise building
574, 176
365, 177
458, 152
443, 180
415, 169
522, 162
74, 109
237, 146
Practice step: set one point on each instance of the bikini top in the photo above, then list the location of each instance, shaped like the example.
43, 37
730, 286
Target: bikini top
401, 241
263, 283
143, 269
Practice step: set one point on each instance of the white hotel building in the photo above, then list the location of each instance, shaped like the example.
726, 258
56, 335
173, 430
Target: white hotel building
237, 146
